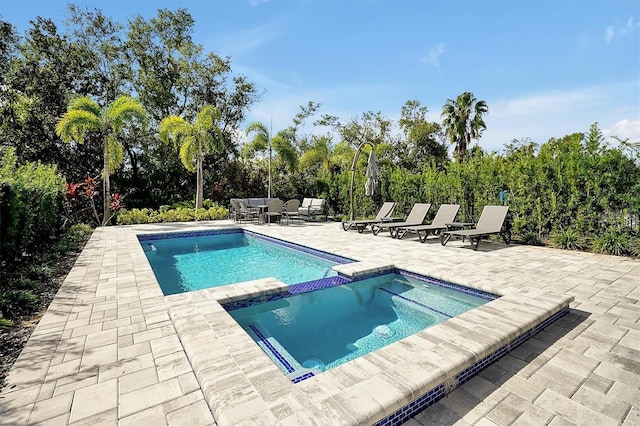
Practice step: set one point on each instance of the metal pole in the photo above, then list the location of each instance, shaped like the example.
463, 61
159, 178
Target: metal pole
269, 141
353, 172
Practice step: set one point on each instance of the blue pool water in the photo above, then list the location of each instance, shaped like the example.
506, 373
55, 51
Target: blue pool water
322, 329
202, 261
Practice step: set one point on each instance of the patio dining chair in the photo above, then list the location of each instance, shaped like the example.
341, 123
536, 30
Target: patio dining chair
272, 211
290, 210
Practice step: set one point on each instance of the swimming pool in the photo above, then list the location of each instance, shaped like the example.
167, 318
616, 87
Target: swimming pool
185, 262
320, 330
241, 383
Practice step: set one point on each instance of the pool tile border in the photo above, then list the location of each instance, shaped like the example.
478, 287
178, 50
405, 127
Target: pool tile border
208, 232
438, 359
440, 391
457, 347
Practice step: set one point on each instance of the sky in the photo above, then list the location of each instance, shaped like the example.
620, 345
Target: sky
546, 68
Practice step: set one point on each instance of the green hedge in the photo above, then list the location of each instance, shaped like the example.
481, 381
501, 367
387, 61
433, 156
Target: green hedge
30, 206
180, 214
576, 192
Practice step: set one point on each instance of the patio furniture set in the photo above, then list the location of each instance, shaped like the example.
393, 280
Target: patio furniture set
274, 210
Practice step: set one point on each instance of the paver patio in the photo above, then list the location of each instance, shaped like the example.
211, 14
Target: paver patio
107, 351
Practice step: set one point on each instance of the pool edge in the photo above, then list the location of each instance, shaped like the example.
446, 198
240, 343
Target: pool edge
478, 345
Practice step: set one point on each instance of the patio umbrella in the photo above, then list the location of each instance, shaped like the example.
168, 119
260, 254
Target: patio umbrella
372, 174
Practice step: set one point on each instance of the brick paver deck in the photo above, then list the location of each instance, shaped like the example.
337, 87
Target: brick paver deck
106, 351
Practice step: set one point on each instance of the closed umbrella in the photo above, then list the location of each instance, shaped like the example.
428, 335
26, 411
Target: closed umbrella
372, 174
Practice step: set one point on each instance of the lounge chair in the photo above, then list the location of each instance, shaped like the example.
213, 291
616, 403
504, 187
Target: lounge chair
491, 222
416, 217
446, 214
361, 225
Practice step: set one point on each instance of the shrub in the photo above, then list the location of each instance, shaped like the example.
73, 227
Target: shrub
5, 323
16, 302
26, 284
39, 272
531, 238
30, 206
568, 239
166, 214
615, 243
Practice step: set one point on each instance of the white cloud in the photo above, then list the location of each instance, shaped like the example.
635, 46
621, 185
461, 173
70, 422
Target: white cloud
433, 57
619, 29
249, 39
257, 2
624, 129
559, 113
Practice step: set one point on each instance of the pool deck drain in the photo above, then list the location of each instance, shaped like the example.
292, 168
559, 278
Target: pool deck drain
111, 349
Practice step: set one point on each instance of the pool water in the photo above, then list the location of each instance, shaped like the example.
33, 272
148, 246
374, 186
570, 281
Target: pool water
203, 261
320, 330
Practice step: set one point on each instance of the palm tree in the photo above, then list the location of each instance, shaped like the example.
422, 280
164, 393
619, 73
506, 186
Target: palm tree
85, 115
282, 144
463, 121
194, 140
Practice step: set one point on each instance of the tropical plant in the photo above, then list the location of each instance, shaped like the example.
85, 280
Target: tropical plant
282, 144
463, 121
194, 140
30, 207
568, 239
85, 115
613, 242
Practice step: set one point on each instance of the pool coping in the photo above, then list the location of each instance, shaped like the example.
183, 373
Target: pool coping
240, 382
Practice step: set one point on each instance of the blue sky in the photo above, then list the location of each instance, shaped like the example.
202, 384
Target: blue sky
546, 68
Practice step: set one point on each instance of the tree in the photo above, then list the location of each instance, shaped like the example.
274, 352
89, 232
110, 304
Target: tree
45, 72
194, 140
463, 121
108, 71
423, 139
85, 115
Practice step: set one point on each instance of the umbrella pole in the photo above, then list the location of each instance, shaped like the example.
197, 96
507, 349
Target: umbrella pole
353, 172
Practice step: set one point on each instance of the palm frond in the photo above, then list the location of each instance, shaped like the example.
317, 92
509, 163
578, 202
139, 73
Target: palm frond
207, 118
174, 129
75, 123
258, 128
188, 152
115, 151
286, 151
84, 103
123, 110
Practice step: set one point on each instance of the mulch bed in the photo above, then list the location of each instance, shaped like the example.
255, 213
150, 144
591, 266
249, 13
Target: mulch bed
13, 339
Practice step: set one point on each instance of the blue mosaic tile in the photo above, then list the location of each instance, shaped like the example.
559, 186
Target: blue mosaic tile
188, 234
303, 377
415, 302
300, 288
429, 398
272, 349
314, 285
319, 253
401, 415
460, 288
